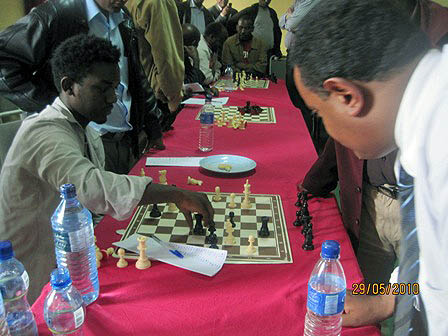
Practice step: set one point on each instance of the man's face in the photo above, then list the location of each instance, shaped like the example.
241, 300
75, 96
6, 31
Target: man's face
370, 133
111, 6
222, 3
198, 3
94, 97
264, 3
245, 29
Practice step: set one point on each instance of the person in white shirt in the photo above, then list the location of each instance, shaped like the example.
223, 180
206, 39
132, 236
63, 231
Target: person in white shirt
56, 147
371, 74
209, 48
194, 12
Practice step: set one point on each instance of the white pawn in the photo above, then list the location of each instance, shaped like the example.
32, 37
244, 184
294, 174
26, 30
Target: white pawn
142, 261
98, 253
122, 262
251, 249
230, 239
232, 204
217, 196
172, 207
162, 177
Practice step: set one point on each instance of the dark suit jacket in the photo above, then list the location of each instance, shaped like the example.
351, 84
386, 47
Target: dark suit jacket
184, 11
215, 11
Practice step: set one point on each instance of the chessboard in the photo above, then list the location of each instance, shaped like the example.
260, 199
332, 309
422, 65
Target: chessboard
172, 227
267, 115
248, 84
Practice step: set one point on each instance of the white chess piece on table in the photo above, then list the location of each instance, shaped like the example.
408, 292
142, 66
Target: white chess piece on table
247, 187
193, 181
162, 177
142, 261
251, 249
230, 239
217, 196
172, 207
232, 203
122, 262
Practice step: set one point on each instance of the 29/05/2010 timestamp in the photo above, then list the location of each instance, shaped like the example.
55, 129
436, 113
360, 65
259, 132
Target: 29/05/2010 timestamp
386, 289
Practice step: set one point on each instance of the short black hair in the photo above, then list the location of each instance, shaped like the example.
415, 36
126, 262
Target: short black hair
360, 40
215, 29
75, 56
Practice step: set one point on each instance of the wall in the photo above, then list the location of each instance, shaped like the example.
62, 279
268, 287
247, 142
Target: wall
12, 10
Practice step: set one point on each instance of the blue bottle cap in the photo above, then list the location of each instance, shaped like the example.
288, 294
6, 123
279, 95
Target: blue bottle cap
68, 190
60, 278
330, 249
6, 251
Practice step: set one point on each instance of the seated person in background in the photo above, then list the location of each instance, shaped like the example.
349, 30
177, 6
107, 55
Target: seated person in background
222, 11
210, 45
245, 52
266, 26
56, 147
192, 11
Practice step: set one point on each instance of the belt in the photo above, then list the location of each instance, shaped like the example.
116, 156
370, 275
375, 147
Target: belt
388, 190
117, 136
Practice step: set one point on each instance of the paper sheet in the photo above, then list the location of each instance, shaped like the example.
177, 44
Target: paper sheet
188, 161
201, 260
201, 101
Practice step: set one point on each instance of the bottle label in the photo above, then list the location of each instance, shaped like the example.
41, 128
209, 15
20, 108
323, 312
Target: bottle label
207, 118
325, 304
78, 316
74, 241
26, 279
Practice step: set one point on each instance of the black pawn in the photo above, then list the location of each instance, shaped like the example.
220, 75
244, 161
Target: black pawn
264, 231
155, 212
308, 244
231, 215
298, 221
211, 230
198, 228
213, 240
299, 199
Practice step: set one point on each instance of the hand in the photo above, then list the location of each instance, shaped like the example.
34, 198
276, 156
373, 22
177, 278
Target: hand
156, 144
190, 201
225, 11
192, 51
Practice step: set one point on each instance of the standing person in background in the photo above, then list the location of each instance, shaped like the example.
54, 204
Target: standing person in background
209, 48
222, 11
161, 51
26, 79
194, 12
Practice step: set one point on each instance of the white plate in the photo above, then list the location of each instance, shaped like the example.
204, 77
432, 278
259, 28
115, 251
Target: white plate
239, 164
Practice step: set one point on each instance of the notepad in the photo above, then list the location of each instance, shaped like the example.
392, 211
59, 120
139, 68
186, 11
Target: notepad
188, 161
201, 260
201, 101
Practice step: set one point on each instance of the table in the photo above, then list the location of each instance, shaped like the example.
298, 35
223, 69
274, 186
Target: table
241, 299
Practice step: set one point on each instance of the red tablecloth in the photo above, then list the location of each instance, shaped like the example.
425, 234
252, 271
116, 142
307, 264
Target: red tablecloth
240, 299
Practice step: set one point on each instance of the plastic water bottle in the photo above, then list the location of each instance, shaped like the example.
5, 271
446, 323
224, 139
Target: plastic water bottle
4, 330
227, 77
207, 117
64, 308
74, 243
326, 294
14, 282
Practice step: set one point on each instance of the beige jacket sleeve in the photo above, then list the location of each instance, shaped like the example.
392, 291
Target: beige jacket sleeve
159, 22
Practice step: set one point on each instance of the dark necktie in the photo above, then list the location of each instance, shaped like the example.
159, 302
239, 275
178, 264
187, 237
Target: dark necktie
409, 256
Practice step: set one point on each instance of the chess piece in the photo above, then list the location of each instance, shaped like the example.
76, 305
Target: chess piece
251, 249
98, 254
162, 177
298, 221
217, 196
110, 251
264, 230
232, 204
198, 228
246, 202
172, 207
142, 261
247, 187
308, 244
142, 172
122, 262
155, 212
193, 181
230, 239
209, 238
98, 262
231, 216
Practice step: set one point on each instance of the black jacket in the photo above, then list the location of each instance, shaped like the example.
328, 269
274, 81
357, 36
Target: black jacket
184, 11
215, 12
252, 12
25, 72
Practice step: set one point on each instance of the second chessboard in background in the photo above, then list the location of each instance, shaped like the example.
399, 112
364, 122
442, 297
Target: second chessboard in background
267, 115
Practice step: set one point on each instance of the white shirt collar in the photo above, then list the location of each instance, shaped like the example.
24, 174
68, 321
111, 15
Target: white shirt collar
93, 12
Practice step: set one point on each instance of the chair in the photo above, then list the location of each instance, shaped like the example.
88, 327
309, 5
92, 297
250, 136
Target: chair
7, 134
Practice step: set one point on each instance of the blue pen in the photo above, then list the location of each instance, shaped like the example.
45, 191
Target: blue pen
175, 252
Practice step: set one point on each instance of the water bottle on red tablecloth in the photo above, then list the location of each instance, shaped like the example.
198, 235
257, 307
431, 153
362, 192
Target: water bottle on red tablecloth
64, 309
326, 294
74, 243
206, 117
4, 330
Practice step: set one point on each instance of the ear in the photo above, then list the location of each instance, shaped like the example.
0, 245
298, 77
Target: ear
67, 85
347, 93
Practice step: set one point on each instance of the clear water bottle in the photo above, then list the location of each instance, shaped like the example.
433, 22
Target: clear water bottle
64, 308
227, 78
4, 330
14, 282
326, 294
206, 118
74, 243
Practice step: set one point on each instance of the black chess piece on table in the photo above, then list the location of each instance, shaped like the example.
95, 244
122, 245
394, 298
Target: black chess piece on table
155, 212
308, 244
211, 230
299, 200
198, 228
298, 221
306, 228
231, 215
213, 240
264, 231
